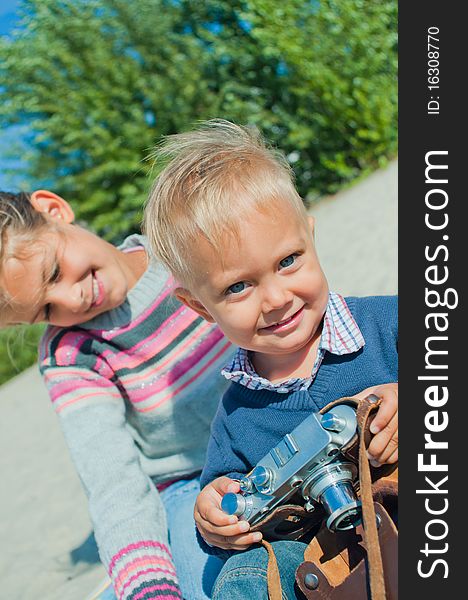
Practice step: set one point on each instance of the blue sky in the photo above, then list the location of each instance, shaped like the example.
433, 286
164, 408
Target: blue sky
8, 18
7, 15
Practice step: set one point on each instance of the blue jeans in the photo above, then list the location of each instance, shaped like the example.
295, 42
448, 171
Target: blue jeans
244, 575
196, 570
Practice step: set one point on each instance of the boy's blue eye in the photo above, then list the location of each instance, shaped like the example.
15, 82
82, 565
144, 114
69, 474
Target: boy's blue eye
288, 261
236, 288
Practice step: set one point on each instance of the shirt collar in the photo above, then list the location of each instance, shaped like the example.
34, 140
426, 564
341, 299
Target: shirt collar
340, 335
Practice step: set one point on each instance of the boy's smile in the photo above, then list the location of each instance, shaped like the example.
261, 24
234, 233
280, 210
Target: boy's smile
285, 324
267, 292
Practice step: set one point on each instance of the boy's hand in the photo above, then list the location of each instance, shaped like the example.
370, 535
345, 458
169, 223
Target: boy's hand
384, 446
215, 526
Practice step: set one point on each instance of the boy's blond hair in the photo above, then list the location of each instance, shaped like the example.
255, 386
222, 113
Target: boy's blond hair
215, 177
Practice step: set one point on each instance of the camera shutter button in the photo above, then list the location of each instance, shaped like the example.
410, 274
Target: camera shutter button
332, 422
261, 477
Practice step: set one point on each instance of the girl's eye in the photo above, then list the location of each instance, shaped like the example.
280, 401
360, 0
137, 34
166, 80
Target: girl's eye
288, 261
55, 274
237, 288
47, 312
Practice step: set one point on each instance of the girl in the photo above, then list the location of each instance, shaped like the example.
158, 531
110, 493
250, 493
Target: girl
133, 376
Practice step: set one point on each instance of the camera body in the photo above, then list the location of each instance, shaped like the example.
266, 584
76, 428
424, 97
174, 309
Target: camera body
307, 460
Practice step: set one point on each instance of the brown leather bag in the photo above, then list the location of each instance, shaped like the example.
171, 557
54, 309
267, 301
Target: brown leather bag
359, 564
336, 565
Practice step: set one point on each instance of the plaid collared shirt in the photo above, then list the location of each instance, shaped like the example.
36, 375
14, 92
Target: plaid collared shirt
340, 335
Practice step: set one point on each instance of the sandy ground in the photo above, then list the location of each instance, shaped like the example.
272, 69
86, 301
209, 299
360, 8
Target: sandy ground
47, 547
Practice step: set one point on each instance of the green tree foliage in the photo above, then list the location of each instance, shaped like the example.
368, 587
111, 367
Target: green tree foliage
318, 77
18, 349
96, 83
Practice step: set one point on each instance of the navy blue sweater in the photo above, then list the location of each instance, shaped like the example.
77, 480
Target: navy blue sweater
249, 423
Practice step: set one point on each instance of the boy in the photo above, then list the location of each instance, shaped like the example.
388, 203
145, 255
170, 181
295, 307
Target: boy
225, 218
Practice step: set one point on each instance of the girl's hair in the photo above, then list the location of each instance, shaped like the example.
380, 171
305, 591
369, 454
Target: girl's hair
214, 178
19, 225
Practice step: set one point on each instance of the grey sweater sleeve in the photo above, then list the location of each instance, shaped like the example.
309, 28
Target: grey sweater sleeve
127, 513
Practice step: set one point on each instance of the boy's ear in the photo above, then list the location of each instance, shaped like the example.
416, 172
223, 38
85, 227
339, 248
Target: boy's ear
53, 205
189, 300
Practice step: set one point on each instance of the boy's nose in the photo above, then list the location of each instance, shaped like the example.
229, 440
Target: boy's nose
275, 298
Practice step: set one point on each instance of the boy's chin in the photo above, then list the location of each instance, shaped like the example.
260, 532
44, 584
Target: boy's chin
279, 350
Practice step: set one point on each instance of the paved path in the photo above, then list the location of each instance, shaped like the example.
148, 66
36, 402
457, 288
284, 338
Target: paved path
356, 236
47, 549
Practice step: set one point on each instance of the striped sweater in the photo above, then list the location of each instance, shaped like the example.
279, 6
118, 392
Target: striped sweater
135, 390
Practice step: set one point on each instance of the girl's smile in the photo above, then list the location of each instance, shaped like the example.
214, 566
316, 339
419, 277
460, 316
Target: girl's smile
71, 275
98, 291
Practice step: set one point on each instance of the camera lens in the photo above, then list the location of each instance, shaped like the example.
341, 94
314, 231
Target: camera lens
332, 486
348, 520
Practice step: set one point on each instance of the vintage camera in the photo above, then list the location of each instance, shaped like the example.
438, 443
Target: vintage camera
307, 460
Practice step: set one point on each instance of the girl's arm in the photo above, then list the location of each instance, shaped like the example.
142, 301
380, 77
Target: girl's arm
127, 513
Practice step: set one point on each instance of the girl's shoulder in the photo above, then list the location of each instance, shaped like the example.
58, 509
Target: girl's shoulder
64, 347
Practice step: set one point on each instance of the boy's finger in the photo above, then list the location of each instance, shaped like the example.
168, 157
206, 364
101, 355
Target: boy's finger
393, 458
209, 512
387, 410
227, 531
223, 484
390, 453
383, 439
241, 542
246, 539
384, 460
216, 516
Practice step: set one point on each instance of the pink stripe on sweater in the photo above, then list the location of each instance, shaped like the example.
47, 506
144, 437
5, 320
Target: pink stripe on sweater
162, 587
172, 393
137, 546
198, 332
170, 377
143, 561
145, 572
59, 409
59, 373
69, 347
167, 290
165, 333
139, 395
49, 334
151, 345
65, 387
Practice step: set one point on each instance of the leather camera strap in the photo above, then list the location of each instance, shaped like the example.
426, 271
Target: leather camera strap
374, 558
273, 577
